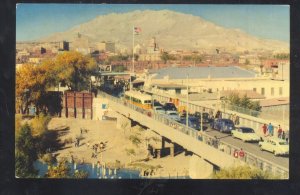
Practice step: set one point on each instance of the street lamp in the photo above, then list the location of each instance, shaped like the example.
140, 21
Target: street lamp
187, 101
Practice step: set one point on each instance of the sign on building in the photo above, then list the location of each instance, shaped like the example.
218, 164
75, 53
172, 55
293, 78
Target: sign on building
105, 68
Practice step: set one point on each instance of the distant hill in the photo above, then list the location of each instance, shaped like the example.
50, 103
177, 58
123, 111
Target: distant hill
173, 30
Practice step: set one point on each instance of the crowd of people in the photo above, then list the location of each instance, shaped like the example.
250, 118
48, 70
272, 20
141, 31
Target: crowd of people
268, 130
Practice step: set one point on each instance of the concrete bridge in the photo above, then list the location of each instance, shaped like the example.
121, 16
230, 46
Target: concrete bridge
200, 144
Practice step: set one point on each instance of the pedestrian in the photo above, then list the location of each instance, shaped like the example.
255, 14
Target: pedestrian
215, 142
237, 120
80, 131
287, 136
283, 135
279, 132
78, 142
241, 153
270, 129
264, 128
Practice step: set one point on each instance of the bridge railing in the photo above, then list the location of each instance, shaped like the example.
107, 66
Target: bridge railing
229, 149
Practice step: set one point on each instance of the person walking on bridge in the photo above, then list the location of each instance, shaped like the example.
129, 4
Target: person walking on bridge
279, 132
270, 129
264, 128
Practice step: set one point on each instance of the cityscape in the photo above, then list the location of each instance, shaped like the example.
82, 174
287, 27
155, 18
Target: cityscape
152, 92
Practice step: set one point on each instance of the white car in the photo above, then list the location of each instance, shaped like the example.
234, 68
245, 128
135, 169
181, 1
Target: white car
246, 134
158, 109
275, 145
174, 115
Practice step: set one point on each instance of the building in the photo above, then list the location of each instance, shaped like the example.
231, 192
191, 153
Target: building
152, 52
106, 46
216, 79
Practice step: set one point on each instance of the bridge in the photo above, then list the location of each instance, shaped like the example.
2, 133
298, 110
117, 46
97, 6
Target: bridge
199, 143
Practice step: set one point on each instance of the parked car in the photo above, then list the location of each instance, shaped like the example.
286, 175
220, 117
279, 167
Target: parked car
169, 106
205, 115
223, 125
158, 109
246, 134
172, 115
192, 122
275, 145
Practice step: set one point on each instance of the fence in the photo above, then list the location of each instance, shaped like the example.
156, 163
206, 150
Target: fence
229, 149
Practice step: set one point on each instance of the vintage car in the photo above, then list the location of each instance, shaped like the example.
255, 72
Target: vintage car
174, 115
158, 109
275, 145
223, 125
246, 134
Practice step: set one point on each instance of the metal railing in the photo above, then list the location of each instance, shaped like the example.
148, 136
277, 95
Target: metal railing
229, 149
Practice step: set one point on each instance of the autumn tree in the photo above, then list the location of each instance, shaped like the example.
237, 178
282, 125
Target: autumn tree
31, 83
74, 69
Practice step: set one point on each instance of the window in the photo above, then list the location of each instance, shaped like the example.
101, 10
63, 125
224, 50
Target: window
178, 91
254, 89
272, 91
280, 90
262, 91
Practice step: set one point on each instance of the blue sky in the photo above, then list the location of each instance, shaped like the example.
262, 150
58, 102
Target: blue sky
34, 21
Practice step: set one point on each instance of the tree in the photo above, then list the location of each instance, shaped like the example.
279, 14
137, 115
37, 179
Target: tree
243, 172
244, 102
25, 153
74, 69
30, 86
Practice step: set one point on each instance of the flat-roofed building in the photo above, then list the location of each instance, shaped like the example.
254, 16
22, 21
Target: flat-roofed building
216, 79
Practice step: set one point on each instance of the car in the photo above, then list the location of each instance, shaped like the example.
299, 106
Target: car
170, 106
192, 121
223, 125
158, 109
156, 103
246, 134
172, 115
206, 117
275, 145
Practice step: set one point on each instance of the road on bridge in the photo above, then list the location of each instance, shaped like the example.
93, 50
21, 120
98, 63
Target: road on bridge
249, 147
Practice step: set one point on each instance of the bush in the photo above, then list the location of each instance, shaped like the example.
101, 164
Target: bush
243, 172
79, 174
48, 158
39, 124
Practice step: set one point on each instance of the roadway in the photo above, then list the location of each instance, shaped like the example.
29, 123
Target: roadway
249, 147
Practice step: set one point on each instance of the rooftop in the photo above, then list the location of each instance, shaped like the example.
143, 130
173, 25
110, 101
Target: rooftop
203, 72
275, 102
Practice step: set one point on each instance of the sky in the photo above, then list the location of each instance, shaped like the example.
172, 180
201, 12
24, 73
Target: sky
34, 21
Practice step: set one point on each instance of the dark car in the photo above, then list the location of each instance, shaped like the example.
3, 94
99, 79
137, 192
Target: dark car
223, 125
156, 103
192, 121
169, 106
205, 115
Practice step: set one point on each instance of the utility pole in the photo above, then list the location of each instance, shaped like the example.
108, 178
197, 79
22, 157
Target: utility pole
187, 101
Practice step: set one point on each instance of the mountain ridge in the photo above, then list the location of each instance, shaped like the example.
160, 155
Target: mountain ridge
173, 30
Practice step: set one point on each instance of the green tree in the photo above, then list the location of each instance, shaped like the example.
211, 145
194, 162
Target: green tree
25, 153
243, 172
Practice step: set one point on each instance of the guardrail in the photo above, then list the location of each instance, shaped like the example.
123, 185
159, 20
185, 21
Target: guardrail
229, 149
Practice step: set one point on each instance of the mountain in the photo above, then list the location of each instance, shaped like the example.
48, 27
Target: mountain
172, 30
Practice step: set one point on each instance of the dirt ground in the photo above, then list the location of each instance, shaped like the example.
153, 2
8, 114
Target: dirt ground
117, 142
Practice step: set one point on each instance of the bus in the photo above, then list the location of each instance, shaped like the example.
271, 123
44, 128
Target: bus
139, 99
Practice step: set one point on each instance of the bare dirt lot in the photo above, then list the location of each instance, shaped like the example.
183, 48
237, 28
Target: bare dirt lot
117, 143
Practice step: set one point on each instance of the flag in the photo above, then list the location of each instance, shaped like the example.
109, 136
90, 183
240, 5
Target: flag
137, 30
